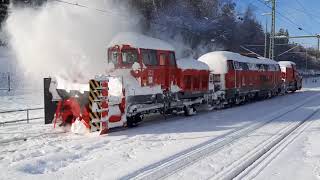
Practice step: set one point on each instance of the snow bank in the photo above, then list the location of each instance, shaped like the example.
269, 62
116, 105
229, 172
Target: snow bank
217, 61
139, 41
190, 63
287, 64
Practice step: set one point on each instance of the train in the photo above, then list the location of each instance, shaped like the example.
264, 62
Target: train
144, 77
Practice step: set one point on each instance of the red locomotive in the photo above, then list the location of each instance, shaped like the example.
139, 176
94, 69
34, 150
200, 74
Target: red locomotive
291, 78
143, 77
241, 78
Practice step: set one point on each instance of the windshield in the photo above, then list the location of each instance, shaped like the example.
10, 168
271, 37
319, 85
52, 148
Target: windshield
129, 57
113, 57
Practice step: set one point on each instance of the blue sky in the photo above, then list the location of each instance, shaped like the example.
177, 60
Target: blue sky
302, 13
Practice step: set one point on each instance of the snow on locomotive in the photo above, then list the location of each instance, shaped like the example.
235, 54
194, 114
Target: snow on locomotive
242, 78
144, 77
290, 76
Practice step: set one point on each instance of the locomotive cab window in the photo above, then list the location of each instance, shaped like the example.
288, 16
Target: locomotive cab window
162, 59
113, 57
149, 57
244, 66
230, 65
129, 57
237, 65
172, 59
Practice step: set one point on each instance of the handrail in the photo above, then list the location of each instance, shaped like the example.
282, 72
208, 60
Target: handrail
21, 110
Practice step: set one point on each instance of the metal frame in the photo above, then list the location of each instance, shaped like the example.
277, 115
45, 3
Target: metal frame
21, 120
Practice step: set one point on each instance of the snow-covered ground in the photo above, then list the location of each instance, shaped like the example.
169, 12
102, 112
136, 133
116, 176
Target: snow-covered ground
209, 145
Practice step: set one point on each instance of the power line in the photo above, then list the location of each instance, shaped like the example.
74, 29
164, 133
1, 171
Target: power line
83, 6
305, 11
285, 17
199, 34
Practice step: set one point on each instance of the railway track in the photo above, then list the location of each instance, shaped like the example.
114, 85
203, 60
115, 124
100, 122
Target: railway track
260, 158
246, 165
186, 158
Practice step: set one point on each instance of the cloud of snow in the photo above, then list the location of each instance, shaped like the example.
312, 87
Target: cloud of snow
66, 40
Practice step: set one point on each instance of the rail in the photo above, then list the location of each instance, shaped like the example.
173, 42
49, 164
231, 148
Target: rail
28, 118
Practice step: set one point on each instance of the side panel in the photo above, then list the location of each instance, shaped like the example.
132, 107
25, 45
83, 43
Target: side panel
49, 105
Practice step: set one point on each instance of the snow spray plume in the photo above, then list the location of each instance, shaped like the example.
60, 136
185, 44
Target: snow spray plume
66, 40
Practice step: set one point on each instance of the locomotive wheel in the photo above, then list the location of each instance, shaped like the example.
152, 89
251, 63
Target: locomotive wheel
189, 111
237, 100
133, 121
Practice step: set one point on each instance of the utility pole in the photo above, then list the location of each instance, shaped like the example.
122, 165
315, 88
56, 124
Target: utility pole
273, 29
266, 39
266, 35
9, 82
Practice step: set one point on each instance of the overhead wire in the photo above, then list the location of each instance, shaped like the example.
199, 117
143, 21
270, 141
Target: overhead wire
286, 18
118, 14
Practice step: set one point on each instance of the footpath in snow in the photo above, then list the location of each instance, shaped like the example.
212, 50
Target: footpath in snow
161, 148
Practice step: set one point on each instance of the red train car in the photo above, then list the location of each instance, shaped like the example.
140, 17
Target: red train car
241, 78
290, 76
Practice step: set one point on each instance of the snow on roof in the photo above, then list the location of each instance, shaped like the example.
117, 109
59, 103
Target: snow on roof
140, 41
190, 63
286, 64
217, 60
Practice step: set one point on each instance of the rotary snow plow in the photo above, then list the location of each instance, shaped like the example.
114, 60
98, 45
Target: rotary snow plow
90, 107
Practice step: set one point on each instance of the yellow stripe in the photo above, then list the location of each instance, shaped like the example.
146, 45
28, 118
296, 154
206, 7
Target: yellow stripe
94, 115
91, 99
92, 94
97, 84
96, 93
97, 125
94, 84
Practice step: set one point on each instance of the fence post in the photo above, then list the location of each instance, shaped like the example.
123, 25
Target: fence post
28, 116
9, 82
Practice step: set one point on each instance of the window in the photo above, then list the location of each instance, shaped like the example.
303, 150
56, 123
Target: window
237, 65
230, 65
216, 78
244, 66
260, 67
253, 67
211, 77
270, 67
149, 57
129, 57
172, 59
162, 60
113, 57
